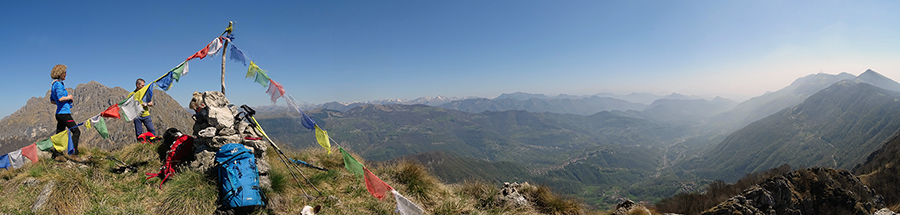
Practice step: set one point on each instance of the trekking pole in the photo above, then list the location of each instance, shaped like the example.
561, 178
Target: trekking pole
250, 112
277, 149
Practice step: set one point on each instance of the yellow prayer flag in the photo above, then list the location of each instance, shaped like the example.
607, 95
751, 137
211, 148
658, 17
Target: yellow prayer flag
60, 141
87, 123
322, 137
139, 95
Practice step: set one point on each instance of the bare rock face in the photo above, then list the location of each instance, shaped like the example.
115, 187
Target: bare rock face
808, 191
215, 126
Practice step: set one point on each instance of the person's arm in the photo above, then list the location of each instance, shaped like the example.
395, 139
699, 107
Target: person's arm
61, 90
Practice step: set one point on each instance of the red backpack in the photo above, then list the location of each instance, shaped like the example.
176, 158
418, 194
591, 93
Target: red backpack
147, 137
178, 152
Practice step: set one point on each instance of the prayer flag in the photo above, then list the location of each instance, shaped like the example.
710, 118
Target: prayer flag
30, 152
4, 161
262, 78
16, 159
165, 82
60, 140
99, 125
406, 207
351, 164
306, 121
179, 70
87, 123
200, 54
141, 94
215, 46
322, 137
237, 55
376, 186
131, 108
251, 71
111, 111
148, 95
45, 144
275, 90
70, 145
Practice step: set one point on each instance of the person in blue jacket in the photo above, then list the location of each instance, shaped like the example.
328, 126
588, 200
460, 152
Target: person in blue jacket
63, 101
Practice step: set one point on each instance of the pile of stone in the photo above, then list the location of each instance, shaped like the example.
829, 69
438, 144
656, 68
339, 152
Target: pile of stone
216, 123
512, 194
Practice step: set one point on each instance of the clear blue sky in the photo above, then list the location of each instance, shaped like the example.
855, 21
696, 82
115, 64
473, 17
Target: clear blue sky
346, 51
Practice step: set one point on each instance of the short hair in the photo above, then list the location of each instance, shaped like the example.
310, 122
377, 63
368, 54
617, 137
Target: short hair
58, 71
138, 81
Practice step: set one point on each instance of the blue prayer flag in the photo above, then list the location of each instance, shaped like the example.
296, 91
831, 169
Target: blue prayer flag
306, 121
148, 96
4, 161
237, 55
71, 146
165, 82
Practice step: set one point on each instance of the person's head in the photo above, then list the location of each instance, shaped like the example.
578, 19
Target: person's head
58, 72
139, 83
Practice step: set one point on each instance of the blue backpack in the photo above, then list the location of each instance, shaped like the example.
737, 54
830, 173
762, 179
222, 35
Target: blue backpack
238, 176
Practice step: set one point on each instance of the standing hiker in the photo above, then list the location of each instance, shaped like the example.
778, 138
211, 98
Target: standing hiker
147, 102
63, 101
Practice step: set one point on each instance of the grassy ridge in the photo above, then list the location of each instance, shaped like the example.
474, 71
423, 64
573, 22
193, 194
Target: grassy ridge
94, 188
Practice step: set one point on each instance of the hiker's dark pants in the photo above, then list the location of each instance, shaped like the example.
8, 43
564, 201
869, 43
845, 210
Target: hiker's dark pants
64, 121
146, 120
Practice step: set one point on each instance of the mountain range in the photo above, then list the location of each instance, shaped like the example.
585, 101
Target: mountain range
602, 147
836, 127
35, 120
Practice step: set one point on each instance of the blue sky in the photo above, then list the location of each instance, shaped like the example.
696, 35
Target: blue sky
345, 51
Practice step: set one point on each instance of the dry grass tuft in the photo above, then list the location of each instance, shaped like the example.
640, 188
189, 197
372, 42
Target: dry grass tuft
188, 193
419, 182
545, 201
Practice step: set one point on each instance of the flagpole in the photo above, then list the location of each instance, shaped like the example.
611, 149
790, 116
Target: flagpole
225, 47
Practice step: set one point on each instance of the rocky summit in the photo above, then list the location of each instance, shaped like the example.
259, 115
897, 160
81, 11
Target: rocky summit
806, 191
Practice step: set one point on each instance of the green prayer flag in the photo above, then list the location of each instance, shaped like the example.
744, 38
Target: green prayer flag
262, 78
101, 128
179, 70
351, 164
45, 144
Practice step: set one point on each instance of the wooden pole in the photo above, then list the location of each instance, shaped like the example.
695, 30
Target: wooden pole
224, 47
223, 66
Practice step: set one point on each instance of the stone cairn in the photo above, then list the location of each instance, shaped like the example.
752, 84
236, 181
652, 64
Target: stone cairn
216, 124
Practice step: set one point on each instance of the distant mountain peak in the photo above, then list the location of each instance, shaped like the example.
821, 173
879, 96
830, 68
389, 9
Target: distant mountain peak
878, 80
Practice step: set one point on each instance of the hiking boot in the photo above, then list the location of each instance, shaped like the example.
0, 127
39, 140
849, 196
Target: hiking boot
59, 158
76, 158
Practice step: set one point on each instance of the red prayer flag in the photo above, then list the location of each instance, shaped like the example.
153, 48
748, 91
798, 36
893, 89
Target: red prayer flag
30, 152
111, 112
200, 54
275, 90
376, 186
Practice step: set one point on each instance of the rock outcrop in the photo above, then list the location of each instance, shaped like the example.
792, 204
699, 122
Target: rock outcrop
807, 191
217, 123
512, 194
